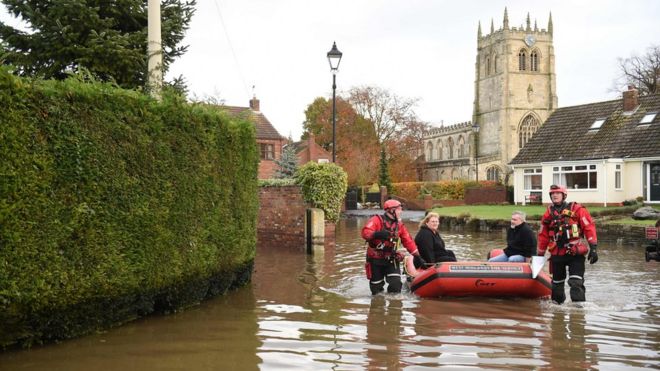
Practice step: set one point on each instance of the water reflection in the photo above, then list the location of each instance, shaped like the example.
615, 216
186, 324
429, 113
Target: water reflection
316, 312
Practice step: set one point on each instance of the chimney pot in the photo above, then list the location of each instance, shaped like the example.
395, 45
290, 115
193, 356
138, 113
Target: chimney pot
630, 99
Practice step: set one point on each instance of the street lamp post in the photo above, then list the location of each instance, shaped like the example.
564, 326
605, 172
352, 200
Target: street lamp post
475, 129
334, 57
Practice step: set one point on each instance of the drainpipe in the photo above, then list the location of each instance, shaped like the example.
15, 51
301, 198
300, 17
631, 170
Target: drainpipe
605, 187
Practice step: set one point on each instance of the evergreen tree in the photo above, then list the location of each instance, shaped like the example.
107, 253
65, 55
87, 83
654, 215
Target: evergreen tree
384, 172
107, 38
288, 164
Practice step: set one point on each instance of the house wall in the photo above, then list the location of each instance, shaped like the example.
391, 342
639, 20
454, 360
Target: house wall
631, 182
267, 168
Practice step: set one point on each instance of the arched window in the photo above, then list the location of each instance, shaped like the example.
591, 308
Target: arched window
439, 149
429, 151
450, 148
522, 58
494, 63
528, 126
493, 173
461, 147
534, 61
487, 66
454, 174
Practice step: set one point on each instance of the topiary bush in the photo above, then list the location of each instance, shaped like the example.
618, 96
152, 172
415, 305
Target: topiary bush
324, 186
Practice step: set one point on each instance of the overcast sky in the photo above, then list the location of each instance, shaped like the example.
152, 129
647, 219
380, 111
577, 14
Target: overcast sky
415, 48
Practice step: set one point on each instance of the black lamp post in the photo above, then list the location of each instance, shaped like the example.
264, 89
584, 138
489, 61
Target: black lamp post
475, 129
334, 57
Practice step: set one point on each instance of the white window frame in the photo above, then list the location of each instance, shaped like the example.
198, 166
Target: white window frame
617, 177
529, 174
560, 175
597, 124
648, 118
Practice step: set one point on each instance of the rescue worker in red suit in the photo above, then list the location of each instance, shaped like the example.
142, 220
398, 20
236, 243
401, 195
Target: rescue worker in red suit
563, 227
383, 233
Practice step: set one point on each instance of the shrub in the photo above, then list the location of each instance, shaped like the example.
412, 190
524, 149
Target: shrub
324, 186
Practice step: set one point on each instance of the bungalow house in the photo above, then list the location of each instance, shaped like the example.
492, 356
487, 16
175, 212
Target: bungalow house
269, 141
605, 153
308, 150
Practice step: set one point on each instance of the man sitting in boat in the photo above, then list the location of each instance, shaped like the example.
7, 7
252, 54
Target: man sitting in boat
383, 234
520, 240
430, 244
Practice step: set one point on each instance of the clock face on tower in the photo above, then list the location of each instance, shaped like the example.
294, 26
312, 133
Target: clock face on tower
530, 40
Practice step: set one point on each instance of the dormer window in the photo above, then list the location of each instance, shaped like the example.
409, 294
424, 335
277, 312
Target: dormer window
648, 118
597, 124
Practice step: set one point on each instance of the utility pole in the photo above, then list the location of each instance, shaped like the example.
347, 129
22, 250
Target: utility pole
154, 49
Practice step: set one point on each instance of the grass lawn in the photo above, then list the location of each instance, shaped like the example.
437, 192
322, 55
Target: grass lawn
503, 212
631, 221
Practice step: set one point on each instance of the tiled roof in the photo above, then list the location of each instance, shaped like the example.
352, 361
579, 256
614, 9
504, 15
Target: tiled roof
566, 135
265, 129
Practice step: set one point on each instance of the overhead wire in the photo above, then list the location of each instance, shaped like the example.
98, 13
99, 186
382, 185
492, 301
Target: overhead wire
231, 48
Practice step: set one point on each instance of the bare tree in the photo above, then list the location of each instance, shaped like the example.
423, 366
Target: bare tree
642, 72
387, 112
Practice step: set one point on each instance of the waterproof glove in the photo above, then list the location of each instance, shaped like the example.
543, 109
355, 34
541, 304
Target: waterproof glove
422, 261
381, 235
593, 254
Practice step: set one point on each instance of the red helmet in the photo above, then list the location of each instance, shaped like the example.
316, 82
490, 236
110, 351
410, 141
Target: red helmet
558, 188
391, 204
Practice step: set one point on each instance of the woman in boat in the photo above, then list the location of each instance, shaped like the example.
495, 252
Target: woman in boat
430, 244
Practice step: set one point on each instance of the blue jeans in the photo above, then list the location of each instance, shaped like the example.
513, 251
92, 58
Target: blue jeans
504, 258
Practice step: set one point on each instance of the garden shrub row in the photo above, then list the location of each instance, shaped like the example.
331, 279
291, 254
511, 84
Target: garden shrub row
114, 205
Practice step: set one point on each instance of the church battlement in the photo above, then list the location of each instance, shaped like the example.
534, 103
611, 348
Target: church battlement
521, 31
461, 126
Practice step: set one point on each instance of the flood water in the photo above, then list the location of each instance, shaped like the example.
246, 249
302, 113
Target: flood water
315, 312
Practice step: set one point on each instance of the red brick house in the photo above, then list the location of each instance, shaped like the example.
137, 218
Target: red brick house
308, 150
269, 141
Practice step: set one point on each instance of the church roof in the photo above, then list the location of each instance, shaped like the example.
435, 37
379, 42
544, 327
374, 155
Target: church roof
265, 129
569, 133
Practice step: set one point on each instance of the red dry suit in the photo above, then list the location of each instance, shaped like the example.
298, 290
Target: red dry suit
384, 249
562, 228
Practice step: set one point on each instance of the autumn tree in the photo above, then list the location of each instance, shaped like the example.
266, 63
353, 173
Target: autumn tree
106, 38
387, 112
357, 145
643, 72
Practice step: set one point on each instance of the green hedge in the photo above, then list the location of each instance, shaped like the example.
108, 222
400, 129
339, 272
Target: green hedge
323, 186
113, 205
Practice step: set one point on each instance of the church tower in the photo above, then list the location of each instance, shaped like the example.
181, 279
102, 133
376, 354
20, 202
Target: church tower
515, 92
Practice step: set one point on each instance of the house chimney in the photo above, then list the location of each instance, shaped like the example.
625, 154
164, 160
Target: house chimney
254, 103
630, 99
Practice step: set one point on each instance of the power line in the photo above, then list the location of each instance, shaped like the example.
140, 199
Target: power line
231, 47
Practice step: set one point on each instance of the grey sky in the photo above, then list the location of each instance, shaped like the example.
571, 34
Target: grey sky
415, 48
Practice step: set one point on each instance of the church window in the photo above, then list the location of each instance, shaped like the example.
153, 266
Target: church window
487, 66
493, 173
527, 128
439, 149
461, 147
534, 61
450, 148
495, 63
522, 58
429, 151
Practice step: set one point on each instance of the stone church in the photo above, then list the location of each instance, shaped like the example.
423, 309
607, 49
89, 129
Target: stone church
515, 92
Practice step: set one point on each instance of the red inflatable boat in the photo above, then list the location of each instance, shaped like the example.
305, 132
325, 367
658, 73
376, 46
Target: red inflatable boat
478, 279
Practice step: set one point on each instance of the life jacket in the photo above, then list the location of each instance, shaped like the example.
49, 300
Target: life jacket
384, 249
564, 229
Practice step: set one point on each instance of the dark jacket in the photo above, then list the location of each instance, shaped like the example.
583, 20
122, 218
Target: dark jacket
432, 247
520, 241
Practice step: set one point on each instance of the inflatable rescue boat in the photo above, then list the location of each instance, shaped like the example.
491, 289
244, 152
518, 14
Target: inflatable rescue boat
477, 279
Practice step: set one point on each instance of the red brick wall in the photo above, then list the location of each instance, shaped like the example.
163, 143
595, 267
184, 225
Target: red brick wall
281, 216
485, 196
267, 168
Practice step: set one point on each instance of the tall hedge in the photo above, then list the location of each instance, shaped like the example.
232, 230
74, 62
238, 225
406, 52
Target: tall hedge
113, 205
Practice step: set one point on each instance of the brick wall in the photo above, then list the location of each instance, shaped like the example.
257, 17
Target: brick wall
485, 196
281, 217
267, 167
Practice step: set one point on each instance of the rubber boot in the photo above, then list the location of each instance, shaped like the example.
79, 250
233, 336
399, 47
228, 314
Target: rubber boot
577, 289
376, 288
558, 294
394, 283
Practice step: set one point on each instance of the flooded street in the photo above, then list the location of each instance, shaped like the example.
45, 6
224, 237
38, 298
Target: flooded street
315, 312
